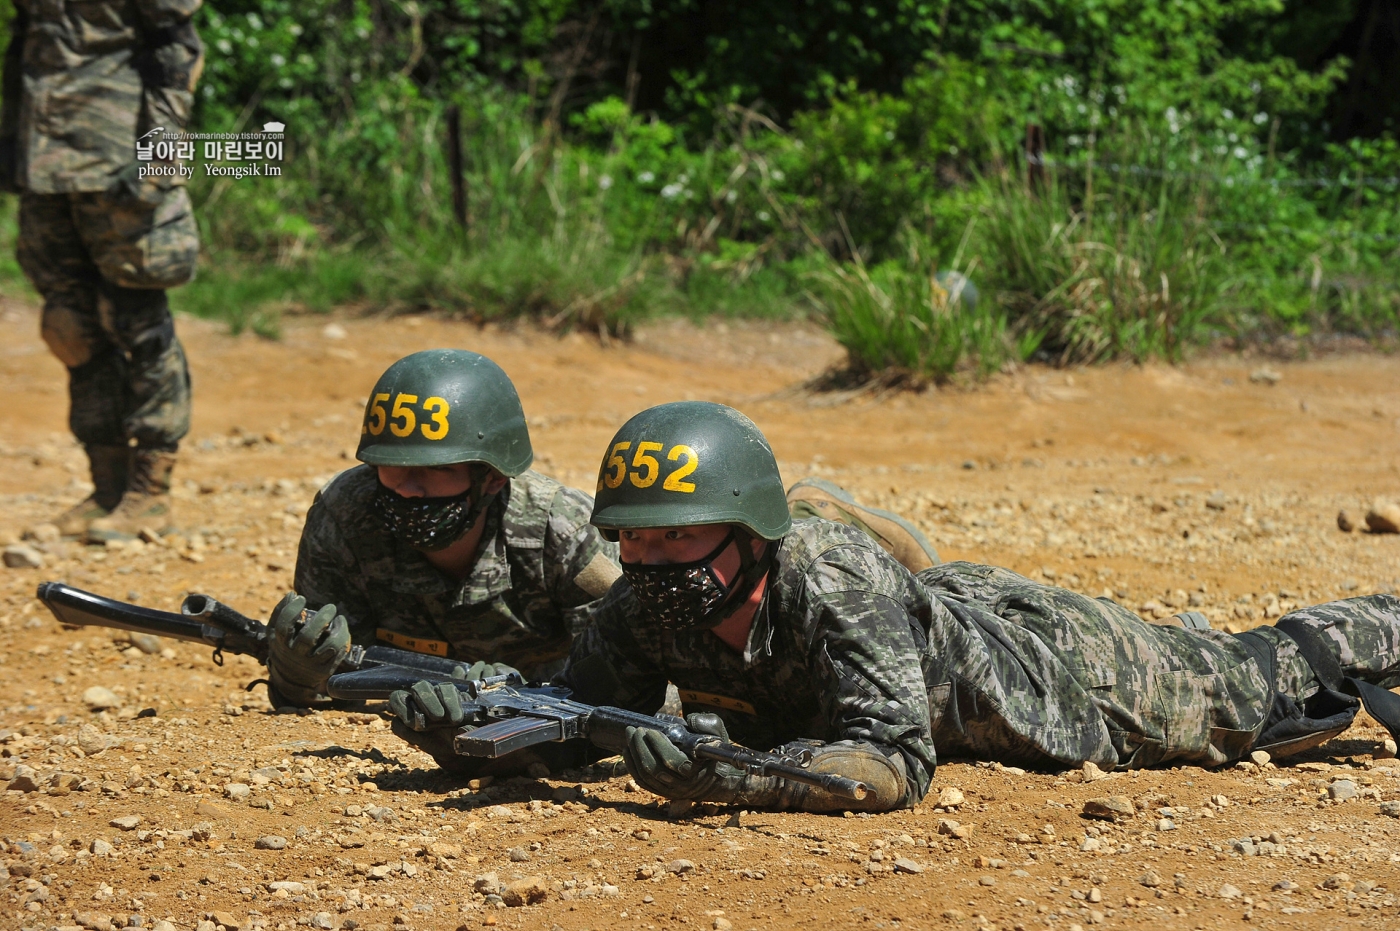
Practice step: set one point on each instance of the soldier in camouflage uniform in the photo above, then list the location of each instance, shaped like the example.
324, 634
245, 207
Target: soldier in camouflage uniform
443, 542
778, 632
82, 82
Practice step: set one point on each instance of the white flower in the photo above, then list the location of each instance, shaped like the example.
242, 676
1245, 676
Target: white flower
225, 46
295, 29
254, 22
1240, 152
277, 61
763, 215
731, 197
671, 190
1261, 118
778, 174
605, 182
646, 177
1228, 113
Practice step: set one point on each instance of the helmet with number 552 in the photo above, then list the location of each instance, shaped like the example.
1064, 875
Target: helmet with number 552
689, 463
443, 406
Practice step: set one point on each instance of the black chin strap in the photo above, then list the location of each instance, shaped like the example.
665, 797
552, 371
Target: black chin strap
751, 571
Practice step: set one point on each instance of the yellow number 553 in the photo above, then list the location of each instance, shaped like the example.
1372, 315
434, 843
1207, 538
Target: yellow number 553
402, 421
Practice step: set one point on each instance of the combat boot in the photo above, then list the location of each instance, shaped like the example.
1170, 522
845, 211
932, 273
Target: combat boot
815, 497
108, 466
145, 505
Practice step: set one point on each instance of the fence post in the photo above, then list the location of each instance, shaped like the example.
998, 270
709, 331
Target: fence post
454, 164
1035, 157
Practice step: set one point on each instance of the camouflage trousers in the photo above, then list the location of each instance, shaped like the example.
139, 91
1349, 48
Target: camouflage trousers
1161, 694
102, 262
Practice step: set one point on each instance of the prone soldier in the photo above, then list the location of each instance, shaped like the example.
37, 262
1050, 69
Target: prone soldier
807, 636
446, 542
101, 243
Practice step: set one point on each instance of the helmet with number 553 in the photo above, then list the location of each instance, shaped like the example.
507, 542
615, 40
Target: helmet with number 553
443, 406
688, 463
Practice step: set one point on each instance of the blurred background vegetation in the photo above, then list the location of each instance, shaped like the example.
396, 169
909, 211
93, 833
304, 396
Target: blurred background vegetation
1213, 168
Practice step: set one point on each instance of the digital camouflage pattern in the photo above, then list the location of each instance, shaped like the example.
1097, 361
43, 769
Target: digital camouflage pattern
541, 568
83, 98
100, 263
972, 660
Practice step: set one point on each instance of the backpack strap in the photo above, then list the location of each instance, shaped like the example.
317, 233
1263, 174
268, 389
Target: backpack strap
1321, 655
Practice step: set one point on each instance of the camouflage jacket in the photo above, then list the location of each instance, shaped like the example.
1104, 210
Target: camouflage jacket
976, 661
541, 568
75, 100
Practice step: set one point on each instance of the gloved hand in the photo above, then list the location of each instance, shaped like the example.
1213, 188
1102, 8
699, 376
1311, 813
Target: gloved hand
659, 766
304, 652
427, 706
484, 670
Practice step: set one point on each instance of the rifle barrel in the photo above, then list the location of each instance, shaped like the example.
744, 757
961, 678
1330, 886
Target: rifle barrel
84, 609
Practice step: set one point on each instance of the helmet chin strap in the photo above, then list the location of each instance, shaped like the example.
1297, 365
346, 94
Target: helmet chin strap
752, 569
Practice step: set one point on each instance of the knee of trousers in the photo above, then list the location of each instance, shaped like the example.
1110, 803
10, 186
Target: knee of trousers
71, 328
138, 320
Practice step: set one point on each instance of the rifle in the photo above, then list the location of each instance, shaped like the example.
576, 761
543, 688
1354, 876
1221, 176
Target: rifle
204, 620
504, 715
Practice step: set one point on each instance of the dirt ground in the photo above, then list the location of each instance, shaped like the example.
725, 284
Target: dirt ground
1214, 485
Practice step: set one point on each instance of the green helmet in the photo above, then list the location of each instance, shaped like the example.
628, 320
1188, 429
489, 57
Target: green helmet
443, 406
688, 463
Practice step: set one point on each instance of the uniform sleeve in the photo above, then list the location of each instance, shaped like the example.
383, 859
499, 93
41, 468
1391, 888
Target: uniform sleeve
867, 659
328, 573
580, 566
615, 661
11, 90
170, 59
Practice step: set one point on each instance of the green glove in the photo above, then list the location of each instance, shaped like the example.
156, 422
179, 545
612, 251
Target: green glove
659, 766
485, 670
427, 706
303, 652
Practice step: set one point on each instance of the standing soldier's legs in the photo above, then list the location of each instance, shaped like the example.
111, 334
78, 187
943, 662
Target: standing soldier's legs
53, 256
143, 243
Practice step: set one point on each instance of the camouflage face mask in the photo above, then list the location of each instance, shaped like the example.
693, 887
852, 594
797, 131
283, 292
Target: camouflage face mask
681, 596
428, 523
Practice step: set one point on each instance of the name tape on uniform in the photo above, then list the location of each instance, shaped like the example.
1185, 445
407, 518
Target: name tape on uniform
413, 644
692, 697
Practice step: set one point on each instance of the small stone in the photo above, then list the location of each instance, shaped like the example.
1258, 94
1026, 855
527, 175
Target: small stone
237, 791
93, 921
1216, 501
147, 643
487, 884
1391, 809
25, 779
43, 533
1090, 844
680, 867
1112, 808
1265, 376
1387, 750
1095, 896
1383, 518
987, 880
207, 809
334, 331
905, 865
525, 891
1342, 790
735, 820
1150, 879
98, 698
100, 848
163, 925
92, 741
950, 797
271, 842
1337, 881
201, 831
1228, 891
1092, 773
1220, 801
324, 921
383, 871
722, 924
1346, 523
126, 822
23, 556
291, 887
1166, 824
519, 855
1260, 757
